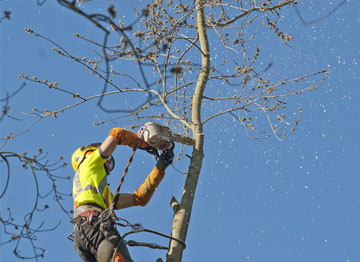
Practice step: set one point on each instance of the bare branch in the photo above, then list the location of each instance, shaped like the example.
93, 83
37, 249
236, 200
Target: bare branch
26, 232
336, 8
255, 9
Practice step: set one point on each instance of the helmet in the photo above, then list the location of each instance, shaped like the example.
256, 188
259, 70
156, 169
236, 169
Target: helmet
81, 153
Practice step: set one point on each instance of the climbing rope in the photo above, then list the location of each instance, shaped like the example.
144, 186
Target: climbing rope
135, 228
116, 197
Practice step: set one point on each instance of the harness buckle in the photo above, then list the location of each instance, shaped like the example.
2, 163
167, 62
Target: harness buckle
71, 236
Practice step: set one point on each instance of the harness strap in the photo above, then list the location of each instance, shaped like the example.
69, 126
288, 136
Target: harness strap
89, 213
85, 208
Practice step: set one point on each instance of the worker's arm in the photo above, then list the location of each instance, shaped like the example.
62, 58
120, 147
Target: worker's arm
108, 146
119, 136
125, 200
143, 194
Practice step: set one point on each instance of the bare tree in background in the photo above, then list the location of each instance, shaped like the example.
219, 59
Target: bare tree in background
43, 189
25, 232
181, 81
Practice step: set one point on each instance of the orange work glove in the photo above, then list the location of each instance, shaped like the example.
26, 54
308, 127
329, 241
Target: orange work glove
144, 193
125, 137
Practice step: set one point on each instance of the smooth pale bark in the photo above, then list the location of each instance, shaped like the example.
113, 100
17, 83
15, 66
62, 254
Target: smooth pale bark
183, 210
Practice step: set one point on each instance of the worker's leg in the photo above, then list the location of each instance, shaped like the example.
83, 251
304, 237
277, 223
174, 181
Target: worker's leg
85, 255
122, 251
109, 245
106, 250
80, 243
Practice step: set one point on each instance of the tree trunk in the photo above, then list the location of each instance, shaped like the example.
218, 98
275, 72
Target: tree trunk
183, 210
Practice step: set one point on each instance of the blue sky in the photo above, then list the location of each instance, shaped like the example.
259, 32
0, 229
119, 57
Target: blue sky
257, 200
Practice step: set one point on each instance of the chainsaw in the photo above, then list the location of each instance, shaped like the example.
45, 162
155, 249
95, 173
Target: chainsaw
157, 136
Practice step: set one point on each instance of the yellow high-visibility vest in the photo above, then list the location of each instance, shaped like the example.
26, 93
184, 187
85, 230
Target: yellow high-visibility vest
90, 182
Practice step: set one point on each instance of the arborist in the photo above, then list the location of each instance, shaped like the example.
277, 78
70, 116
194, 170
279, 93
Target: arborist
96, 239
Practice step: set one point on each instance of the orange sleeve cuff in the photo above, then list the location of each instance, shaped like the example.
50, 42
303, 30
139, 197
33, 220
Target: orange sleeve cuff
144, 193
123, 136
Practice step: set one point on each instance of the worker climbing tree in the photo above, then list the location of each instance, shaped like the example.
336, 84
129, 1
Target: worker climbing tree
95, 235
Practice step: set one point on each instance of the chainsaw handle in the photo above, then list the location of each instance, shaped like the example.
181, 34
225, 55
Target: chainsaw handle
150, 150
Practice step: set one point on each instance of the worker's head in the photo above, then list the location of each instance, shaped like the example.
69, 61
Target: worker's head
83, 152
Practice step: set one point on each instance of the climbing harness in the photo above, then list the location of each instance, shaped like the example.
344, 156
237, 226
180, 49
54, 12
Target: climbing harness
94, 217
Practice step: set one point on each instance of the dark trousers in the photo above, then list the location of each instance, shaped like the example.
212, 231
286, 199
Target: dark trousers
96, 242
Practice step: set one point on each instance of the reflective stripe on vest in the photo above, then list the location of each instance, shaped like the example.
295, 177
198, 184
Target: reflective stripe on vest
97, 190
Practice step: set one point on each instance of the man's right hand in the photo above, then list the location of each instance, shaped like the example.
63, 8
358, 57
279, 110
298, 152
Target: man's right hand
150, 150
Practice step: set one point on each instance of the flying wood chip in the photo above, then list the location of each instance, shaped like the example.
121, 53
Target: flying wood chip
7, 14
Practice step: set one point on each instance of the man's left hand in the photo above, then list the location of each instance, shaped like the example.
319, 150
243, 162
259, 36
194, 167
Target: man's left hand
166, 158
